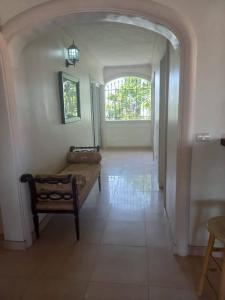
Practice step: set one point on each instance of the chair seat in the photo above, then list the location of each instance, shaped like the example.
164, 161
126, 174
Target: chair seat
216, 226
89, 171
66, 205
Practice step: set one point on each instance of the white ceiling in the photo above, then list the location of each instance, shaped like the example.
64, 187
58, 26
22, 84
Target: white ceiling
119, 44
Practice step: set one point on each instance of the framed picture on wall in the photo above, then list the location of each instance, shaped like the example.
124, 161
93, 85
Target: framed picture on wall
69, 89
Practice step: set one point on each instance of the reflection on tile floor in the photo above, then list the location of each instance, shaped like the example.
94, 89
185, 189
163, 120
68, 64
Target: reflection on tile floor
125, 247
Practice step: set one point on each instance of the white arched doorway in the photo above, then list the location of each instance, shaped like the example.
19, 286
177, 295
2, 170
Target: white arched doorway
23, 28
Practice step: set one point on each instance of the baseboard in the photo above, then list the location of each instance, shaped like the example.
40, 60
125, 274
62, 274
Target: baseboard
196, 250
134, 148
22, 245
13, 245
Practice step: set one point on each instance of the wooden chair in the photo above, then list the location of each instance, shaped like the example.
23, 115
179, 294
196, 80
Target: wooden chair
53, 194
66, 191
216, 228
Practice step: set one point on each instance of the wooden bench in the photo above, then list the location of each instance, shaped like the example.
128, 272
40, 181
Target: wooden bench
66, 191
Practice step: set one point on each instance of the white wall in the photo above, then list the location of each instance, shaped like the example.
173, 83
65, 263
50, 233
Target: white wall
165, 139
208, 188
207, 197
163, 111
126, 134
9, 202
1, 225
44, 140
156, 110
113, 72
172, 134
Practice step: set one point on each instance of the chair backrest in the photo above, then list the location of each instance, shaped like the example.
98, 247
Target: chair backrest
51, 188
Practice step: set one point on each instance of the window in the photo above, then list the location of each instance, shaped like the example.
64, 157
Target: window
128, 98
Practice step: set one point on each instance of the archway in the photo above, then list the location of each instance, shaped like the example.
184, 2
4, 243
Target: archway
29, 24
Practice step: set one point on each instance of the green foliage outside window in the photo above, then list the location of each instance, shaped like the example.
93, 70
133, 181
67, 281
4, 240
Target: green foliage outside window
128, 98
70, 99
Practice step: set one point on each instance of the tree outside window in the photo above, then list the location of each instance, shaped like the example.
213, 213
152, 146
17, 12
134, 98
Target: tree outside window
128, 98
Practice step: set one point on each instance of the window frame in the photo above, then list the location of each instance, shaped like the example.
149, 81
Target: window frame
148, 118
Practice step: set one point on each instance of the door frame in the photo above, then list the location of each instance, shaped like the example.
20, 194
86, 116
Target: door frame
98, 85
17, 32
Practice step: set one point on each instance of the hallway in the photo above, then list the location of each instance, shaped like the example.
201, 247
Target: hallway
125, 247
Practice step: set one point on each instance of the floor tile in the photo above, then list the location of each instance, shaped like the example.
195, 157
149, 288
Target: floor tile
164, 270
100, 291
91, 230
14, 264
126, 213
138, 182
158, 234
125, 233
121, 265
77, 263
160, 293
12, 288
124, 246
54, 289
99, 211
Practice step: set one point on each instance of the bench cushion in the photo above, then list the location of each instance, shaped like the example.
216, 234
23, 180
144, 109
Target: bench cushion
84, 157
89, 171
64, 205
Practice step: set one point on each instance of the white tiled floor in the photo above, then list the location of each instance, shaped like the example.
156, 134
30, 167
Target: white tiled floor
125, 247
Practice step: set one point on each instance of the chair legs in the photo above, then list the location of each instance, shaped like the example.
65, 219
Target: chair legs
222, 282
99, 182
36, 224
77, 226
206, 263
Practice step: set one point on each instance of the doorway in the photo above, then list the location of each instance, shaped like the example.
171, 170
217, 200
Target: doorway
187, 48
